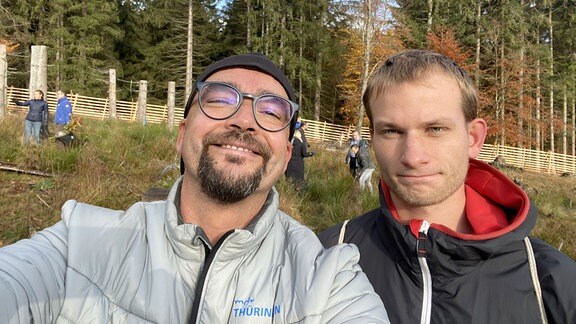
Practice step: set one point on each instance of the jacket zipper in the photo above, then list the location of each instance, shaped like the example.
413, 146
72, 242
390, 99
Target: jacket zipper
200, 285
421, 249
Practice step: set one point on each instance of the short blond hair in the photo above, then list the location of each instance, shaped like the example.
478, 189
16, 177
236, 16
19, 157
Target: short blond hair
411, 65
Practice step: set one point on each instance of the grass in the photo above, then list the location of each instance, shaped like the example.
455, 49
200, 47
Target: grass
116, 162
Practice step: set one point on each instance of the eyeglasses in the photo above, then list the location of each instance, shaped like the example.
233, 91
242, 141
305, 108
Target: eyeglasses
221, 101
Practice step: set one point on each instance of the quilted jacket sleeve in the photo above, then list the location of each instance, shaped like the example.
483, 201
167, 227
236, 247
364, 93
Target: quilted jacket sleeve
352, 298
32, 274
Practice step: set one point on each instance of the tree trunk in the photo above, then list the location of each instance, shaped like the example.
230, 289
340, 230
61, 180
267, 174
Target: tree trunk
3, 81
189, 52
565, 122
573, 106
502, 91
318, 91
300, 58
520, 116
539, 145
368, 35
551, 75
478, 42
248, 25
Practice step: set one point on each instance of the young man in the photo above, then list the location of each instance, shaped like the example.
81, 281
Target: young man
63, 112
449, 243
218, 250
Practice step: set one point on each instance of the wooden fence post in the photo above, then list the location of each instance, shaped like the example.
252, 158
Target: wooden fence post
3, 80
112, 94
170, 104
38, 70
141, 107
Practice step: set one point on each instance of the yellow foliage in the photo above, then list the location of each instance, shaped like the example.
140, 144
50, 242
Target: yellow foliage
383, 45
10, 45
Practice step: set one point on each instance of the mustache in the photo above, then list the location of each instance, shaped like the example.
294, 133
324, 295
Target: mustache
237, 137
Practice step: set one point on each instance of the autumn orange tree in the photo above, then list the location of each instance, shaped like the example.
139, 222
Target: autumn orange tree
10, 45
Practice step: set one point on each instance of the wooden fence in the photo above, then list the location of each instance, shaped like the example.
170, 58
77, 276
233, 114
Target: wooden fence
530, 160
99, 107
336, 136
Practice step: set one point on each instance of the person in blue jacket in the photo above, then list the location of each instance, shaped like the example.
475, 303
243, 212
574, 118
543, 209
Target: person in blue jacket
36, 116
63, 112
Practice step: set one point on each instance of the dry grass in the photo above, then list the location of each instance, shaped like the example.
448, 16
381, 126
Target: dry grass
113, 166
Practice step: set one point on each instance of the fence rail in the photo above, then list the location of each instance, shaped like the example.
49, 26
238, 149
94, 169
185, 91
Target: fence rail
93, 107
321, 132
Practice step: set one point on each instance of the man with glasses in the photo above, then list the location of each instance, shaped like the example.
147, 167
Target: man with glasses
218, 250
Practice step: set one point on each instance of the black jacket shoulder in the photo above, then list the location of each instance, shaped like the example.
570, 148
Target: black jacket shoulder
355, 228
556, 273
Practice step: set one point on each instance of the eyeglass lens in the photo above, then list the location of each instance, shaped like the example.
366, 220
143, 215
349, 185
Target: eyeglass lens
221, 101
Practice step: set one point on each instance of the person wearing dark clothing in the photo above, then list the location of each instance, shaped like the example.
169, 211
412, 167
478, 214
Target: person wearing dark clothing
36, 117
295, 169
450, 241
352, 162
303, 128
351, 159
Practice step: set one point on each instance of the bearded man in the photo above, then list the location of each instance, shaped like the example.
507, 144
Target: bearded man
218, 250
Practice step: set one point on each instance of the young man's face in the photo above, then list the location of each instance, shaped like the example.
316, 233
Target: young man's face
37, 95
232, 158
422, 141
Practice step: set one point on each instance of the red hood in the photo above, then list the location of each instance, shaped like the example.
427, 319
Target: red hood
494, 204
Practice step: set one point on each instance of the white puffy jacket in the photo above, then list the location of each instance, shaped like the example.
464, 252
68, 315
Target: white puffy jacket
139, 266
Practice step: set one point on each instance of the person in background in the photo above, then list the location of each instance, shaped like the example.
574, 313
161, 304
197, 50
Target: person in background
351, 158
295, 169
365, 165
218, 250
450, 241
303, 129
63, 112
36, 116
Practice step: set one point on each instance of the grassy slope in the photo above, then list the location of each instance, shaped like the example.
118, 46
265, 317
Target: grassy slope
118, 162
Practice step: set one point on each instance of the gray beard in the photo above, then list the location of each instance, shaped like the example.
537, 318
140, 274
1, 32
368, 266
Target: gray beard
223, 186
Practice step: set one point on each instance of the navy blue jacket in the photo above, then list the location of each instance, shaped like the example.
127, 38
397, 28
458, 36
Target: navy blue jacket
38, 111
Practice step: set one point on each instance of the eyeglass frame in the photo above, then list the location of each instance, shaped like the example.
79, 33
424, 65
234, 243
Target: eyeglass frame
201, 85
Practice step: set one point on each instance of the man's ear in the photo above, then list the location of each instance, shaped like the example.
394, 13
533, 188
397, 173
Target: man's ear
181, 133
477, 130
288, 154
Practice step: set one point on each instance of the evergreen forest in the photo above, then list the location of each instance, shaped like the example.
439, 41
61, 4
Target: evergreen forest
520, 53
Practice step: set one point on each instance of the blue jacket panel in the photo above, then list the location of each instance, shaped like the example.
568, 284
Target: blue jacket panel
63, 111
38, 111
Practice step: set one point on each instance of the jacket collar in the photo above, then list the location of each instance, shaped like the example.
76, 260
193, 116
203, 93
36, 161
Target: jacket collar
494, 204
186, 239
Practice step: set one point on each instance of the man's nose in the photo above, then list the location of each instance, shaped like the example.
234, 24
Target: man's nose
414, 150
243, 119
